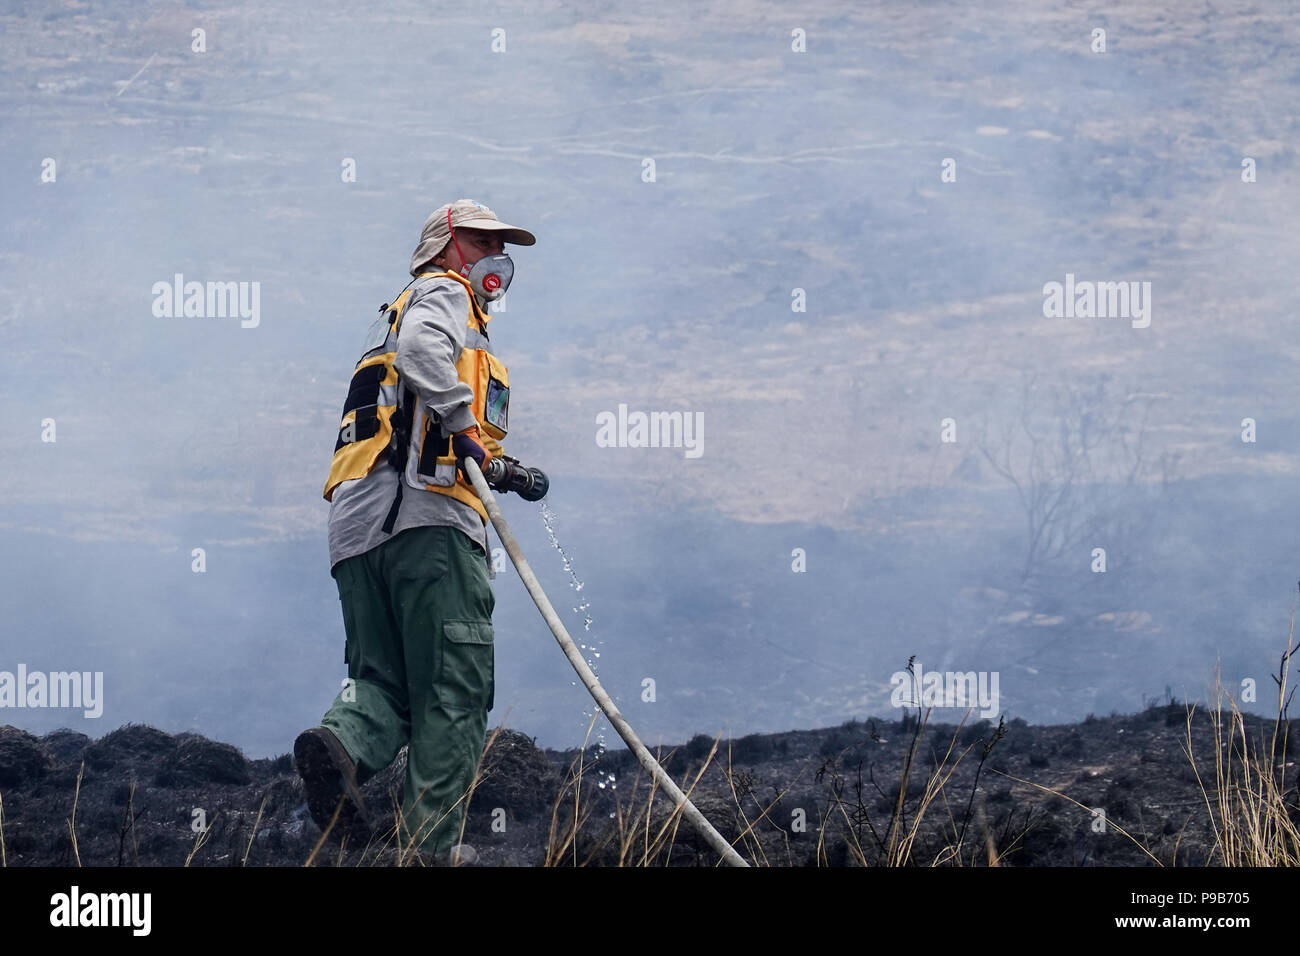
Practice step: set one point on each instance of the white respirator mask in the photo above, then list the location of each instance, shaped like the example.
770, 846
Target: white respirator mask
490, 276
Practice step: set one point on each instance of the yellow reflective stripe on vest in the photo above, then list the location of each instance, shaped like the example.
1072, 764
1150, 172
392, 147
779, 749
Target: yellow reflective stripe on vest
365, 430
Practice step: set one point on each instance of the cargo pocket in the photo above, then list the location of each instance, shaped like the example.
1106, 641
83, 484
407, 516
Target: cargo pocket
466, 681
496, 396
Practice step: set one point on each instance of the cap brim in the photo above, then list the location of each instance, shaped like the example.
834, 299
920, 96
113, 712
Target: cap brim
513, 234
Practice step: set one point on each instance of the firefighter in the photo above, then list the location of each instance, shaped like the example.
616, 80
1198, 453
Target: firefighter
408, 543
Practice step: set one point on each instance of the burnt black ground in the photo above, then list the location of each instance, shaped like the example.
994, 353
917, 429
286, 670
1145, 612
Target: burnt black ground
145, 794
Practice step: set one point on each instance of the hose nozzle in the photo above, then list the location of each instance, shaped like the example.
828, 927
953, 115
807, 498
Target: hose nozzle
506, 474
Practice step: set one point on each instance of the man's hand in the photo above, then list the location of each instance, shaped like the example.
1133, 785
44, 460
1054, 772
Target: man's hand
468, 444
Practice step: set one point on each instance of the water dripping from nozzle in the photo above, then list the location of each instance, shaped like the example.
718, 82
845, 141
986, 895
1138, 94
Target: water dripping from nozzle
590, 652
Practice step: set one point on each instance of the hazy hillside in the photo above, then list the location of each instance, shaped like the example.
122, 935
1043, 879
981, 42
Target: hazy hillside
780, 178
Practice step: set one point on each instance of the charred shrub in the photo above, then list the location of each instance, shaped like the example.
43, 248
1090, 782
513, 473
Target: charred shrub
66, 746
752, 748
698, 747
131, 746
973, 733
23, 760
516, 775
197, 761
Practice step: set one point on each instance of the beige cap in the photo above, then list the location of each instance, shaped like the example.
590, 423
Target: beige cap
465, 213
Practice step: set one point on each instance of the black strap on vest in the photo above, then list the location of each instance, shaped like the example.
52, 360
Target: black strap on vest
399, 448
397, 503
400, 442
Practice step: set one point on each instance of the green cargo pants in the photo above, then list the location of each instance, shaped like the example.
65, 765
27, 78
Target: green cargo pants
417, 611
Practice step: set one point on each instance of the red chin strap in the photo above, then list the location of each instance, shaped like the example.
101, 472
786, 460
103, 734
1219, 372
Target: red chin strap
454, 239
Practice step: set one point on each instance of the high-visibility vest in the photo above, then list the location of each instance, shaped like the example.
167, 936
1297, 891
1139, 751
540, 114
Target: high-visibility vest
383, 417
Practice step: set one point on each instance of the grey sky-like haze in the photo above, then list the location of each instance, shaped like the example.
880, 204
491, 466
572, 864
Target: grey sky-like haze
823, 429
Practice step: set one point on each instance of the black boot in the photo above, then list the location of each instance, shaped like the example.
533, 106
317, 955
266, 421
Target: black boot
329, 780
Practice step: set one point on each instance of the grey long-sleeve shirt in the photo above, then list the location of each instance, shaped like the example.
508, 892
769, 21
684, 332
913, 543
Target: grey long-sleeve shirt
429, 341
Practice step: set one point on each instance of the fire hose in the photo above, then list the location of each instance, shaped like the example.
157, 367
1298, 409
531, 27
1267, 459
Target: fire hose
509, 474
